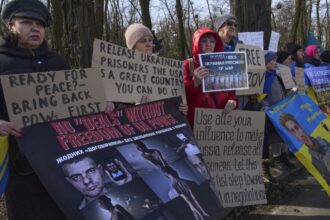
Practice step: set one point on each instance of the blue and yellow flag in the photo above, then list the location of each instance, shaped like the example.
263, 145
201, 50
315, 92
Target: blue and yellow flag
306, 130
3, 163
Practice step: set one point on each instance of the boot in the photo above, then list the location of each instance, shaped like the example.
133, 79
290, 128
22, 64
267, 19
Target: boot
284, 158
267, 176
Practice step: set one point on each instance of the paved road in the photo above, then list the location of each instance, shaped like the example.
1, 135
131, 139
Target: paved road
301, 197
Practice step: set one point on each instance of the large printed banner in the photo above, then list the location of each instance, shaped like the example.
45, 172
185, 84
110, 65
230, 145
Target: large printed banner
38, 97
256, 69
140, 162
319, 78
130, 74
227, 71
306, 130
232, 149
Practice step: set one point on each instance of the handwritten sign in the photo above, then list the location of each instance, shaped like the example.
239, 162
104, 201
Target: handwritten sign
256, 69
39, 97
232, 149
130, 74
286, 76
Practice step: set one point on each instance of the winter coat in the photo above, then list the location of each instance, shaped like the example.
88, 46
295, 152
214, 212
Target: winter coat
230, 47
195, 97
25, 195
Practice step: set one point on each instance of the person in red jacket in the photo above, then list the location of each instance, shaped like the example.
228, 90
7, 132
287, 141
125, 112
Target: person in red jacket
204, 40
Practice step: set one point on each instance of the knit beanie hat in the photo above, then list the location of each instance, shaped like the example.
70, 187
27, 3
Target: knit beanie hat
282, 56
325, 56
222, 19
292, 48
269, 56
310, 50
134, 33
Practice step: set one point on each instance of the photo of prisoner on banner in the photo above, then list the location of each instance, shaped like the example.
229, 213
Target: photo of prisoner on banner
227, 71
141, 162
306, 132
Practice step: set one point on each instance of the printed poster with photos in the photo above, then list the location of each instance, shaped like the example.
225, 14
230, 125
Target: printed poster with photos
227, 71
141, 162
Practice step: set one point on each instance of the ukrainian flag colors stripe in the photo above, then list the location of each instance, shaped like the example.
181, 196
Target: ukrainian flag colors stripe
3, 163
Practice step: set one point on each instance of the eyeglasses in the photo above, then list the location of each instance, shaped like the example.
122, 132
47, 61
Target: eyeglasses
229, 23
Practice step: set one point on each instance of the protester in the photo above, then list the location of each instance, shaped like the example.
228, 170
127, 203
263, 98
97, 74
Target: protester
275, 91
284, 58
225, 26
86, 177
140, 38
23, 49
312, 53
204, 41
325, 57
297, 54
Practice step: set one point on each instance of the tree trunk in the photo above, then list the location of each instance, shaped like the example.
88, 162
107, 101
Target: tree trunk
249, 14
296, 19
318, 22
146, 18
99, 18
57, 27
182, 38
79, 31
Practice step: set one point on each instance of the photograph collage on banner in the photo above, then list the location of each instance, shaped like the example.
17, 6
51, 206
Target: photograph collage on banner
141, 162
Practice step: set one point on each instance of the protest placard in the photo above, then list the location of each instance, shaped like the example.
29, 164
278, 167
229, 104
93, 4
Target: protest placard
232, 149
286, 75
306, 131
144, 160
38, 97
130, 74
227, 71
252, 38
273, 43
256, 69
319, 78
300, 78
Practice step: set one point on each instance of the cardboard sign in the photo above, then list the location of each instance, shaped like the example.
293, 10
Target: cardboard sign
128, 74
252, 38
256, 69
143, 159
300, 78
232, 149
227, 71
286, 76
38, 97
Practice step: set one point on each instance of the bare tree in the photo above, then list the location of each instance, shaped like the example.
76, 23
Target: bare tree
146, 18
248, 14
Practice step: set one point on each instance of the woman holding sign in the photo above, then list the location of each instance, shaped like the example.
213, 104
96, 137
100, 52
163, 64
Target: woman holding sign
204, 41
23, 49
140, 38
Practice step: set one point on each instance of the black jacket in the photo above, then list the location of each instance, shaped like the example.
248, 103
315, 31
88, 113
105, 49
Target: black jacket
14, 60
